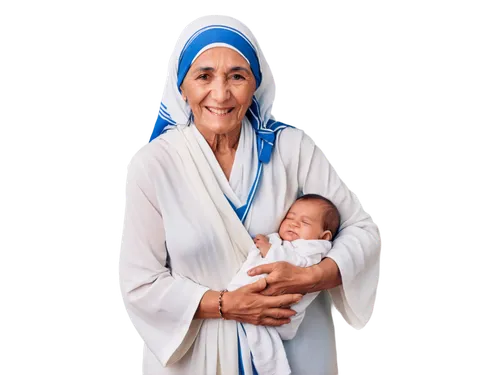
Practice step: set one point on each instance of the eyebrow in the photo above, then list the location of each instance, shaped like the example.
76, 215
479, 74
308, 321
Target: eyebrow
233, 69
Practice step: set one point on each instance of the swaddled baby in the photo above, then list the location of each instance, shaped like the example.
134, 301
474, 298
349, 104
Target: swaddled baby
303, 239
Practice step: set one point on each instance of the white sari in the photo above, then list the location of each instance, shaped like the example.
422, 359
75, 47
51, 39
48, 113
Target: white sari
182, 238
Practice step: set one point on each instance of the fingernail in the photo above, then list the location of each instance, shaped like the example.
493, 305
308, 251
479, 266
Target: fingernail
251, 273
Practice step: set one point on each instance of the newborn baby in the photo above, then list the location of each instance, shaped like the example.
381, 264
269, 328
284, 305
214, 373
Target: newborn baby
303, 239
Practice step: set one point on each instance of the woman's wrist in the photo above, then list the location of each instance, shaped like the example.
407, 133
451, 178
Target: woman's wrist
315, 275
324, 275
221, 294
209, 306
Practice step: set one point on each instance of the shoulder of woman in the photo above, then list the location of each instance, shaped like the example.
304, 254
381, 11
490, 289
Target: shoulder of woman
293, 137
155, 153
294, 134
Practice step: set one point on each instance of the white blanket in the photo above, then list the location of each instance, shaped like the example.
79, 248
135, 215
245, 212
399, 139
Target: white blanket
265, 343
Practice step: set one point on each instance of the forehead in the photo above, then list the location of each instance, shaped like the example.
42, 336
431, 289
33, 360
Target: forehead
307, 206
220, 55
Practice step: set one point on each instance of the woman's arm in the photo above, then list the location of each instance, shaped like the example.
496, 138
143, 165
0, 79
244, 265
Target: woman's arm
284, 277
209, 306
160, 306
350, 270
326, 275
297, 268
248, 305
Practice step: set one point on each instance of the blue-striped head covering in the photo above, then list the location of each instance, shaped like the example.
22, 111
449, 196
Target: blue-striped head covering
212, 36
219, 31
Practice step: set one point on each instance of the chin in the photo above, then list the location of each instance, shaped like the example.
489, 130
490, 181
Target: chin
226, 128
220, 126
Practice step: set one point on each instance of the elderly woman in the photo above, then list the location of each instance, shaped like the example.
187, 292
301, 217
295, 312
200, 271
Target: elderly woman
219, 170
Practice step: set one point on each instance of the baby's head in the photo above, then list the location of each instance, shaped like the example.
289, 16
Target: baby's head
311, 217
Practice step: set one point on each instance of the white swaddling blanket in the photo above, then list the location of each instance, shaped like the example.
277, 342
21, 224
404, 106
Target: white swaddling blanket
265, 343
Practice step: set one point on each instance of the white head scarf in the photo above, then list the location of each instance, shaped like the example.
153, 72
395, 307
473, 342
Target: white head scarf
215, 31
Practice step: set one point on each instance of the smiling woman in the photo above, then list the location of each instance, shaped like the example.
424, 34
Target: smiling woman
219, 88
218, 171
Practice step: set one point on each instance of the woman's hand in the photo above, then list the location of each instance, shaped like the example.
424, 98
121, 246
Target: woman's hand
285, 278
248, 305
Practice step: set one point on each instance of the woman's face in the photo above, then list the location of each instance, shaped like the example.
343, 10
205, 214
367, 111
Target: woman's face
219, 87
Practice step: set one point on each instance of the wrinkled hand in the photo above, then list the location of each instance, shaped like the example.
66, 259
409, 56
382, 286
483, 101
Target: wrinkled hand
248, 305
284, 278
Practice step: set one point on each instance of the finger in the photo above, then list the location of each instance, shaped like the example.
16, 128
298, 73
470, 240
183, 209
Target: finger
273, 322
279, 313
257, 286
265, 268
272, 290
285, 300
275, 288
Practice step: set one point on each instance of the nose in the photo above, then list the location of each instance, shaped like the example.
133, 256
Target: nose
220, 91
294, 224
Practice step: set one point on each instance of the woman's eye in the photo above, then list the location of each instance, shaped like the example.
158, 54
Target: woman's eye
203, 77
238, 77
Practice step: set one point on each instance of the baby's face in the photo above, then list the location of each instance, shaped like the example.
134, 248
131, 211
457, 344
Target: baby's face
303, 220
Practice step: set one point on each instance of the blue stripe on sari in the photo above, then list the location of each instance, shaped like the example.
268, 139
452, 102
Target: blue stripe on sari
254, 370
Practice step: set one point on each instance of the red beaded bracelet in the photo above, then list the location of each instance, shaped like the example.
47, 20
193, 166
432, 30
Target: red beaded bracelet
220, 302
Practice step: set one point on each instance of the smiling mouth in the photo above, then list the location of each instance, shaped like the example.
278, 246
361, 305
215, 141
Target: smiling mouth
220, 111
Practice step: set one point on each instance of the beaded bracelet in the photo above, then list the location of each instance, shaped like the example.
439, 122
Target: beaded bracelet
220, 302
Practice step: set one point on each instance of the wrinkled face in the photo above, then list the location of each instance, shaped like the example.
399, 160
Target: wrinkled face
303, 220
219, 87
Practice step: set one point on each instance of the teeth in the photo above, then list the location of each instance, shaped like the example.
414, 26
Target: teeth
219, 111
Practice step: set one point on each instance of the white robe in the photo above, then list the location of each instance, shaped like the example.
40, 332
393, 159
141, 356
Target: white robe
181, 238
268, 352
